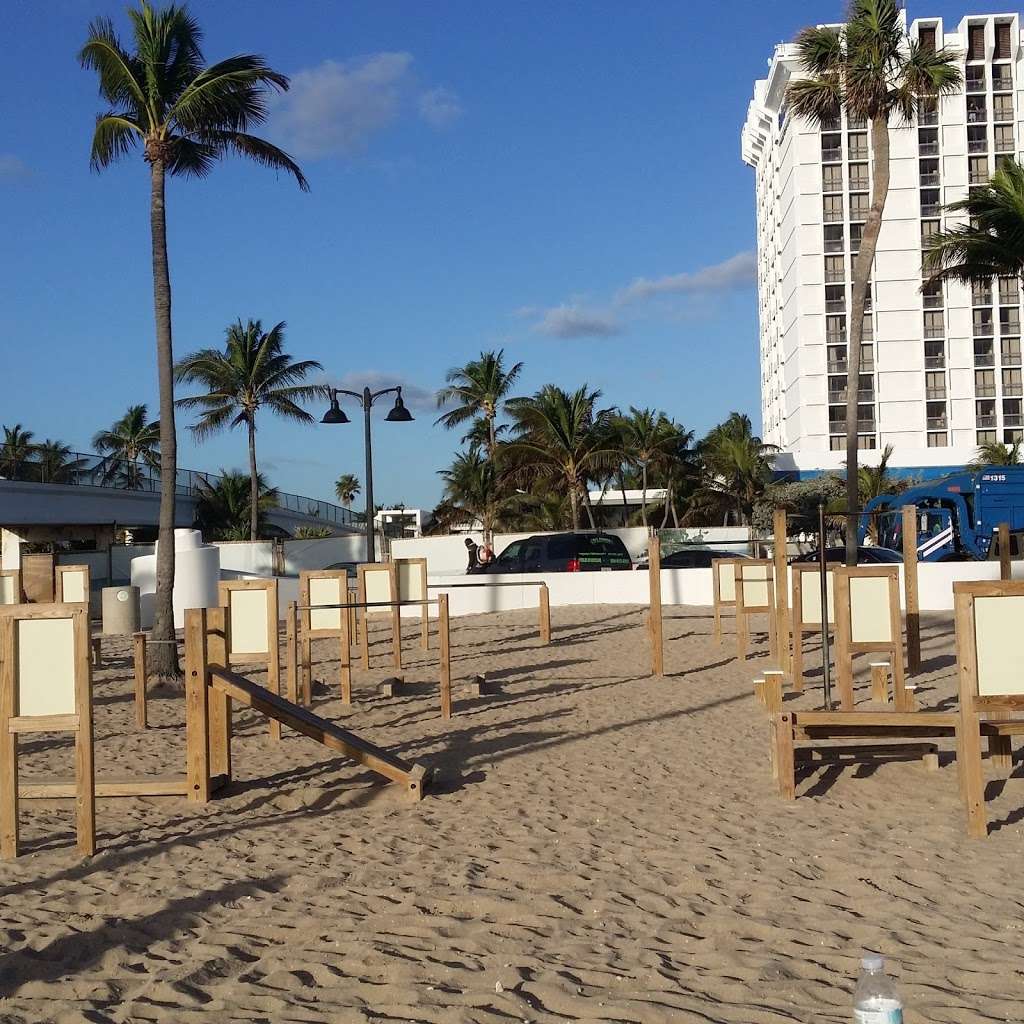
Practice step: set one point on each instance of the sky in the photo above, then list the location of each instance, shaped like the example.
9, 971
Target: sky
560, 180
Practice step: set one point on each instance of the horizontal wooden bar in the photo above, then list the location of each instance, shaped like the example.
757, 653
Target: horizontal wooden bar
836, 753
67, 789
824, 732
366, 604
523, 583
1002, 728
43, 723
885, 718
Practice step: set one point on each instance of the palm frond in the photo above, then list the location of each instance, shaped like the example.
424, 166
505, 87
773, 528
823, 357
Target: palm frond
120, 74
113, 137
258, 150
229, 94
820, 50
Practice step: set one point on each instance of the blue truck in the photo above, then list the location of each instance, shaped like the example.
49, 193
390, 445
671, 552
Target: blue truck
957, 514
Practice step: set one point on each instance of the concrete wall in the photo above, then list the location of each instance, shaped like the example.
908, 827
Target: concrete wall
318, 554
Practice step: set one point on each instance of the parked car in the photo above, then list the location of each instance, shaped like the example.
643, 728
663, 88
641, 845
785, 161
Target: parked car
865, 556
691, 558
562, 552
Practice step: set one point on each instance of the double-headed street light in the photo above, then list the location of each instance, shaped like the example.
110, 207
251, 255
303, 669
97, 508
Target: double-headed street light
398, 414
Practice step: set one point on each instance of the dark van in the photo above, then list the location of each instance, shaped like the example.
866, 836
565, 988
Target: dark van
563, 552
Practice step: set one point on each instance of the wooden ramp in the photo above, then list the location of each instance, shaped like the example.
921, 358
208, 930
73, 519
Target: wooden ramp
413, 777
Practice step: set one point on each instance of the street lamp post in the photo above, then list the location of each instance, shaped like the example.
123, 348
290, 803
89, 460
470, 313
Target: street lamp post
398, 414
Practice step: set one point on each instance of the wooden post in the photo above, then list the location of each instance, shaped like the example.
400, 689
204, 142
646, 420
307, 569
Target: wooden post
141, 712
880, 681
396, 625
844, 657
364, 635
444, 656
773, 690
291, 652
781, 589
8, 752
345, 654
1004, 551
218, 704
784, 759
197, 720
85, 789
545, 614
655, 623
910, 588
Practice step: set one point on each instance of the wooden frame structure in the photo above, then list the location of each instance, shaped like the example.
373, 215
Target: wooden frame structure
46, 686
723, 590
71, 584
543, 600
806, 610
378, 585
654, 620
251, 628
755, 595
868, 620
987, 617
411, 574
322, 587
37, 573
10, 587
210, 688
783, 619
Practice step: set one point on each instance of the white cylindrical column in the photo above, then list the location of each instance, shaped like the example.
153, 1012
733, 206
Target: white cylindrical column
196, 574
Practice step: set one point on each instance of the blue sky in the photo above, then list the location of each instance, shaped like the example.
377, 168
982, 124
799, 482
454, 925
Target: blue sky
561, 180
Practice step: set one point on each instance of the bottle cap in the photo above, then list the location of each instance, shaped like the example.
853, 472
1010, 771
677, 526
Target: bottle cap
872, 962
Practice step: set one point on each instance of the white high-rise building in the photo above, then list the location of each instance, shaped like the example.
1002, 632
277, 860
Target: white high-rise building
941, 368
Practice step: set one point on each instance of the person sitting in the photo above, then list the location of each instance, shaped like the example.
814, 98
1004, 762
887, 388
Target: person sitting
473, 551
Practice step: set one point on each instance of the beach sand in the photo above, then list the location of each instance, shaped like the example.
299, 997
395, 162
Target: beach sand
601, 845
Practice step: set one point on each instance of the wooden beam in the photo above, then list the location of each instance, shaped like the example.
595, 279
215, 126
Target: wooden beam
139, 662
197, 719
911, 589
85, 770
444, 647
8, 747
1004, 551
65, 789
384, 763
782, 616
655, 622
218, 704
545, 614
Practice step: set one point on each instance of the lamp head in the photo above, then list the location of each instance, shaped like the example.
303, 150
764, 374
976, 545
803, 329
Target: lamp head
399, 414
335, 414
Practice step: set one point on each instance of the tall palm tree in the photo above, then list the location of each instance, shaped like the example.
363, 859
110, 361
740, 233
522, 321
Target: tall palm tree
875, 480
479, 389
224, 512
991, 243
737, 466
56, 466
995, 453
474, 492
131, 443
186, 116
648, 438
16, 450
346, 488
253, 372
560, 441
871, 69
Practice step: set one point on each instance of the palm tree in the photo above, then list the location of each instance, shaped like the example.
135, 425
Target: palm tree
132, 440
648, 437
874, 480
992, 242
16, 450
55, 463
561, 442
346, 488
223, 511
252, 372
474, 493
737, 466
186, 117
873, 71
480, 388
994, 453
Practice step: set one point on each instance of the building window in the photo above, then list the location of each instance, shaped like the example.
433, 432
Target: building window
868, 330
831, 148
1009, 320
1010, 351
927, 110
934, 354
935, 415
981, 293
832, 209
854, 121
977, 112
856, 233
1012, 436
931, 295
836, 444
1009, 293
836, 359
977, 170
926, 38
859, 177
985, 436
835, 330
977, 138
1012, 382
1002, 79
867, 358
935, 384
867, 441
937, 440
985, 413
975, 42
983, 354
929, 202
928, 229
832, 178
974, 79
934, 324
834, 238
859, 206
835, 269
1012, 413
982, 322
835, 298
858, 143
985, 383
1003, 41
1004, 137
929, 172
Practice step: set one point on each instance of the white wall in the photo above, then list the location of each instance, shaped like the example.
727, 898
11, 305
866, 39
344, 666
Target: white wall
320, 553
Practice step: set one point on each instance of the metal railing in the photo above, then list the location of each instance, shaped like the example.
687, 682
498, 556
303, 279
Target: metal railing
977, 145
936, 422
83, 469
984, 421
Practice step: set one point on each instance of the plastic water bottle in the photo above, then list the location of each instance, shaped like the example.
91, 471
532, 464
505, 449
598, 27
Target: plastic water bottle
875, 999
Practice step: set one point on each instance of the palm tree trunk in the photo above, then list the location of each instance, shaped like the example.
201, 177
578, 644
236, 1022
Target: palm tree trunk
254, 484
622, 490
668, 500
643, 493
574, 506
163, 661
492, 437
588, 506
861, 278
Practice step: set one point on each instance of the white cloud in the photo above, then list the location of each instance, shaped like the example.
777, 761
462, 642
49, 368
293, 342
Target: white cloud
575, 322
337, 107
13, 168
417, 398
439, 107
736, 272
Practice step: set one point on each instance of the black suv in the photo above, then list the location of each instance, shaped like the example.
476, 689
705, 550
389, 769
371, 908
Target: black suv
562, 552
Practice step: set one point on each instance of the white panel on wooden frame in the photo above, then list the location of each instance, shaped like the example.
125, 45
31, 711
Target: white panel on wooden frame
248, 609
72, 587
870, 615
327, 590
997, 623
810, 598
410, 581
46, 667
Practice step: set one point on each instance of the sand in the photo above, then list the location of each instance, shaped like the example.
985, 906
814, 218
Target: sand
602, 846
